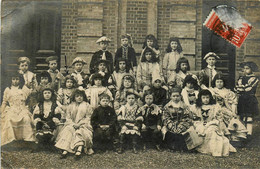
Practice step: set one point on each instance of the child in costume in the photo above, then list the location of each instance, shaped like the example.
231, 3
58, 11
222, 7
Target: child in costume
104, 123
151, 42
101, 68
16, 122
76, 134
207, 124
121, 69
126, 51
102, 54
96, 89
46, 117
174, 53
44, 80
182, 70
159, 92
56, 76
176, 120
128, 85
190, 90
78, 74
246, 89
64, 94
207, 74
29, 77
152, 122
129, 122
147, 69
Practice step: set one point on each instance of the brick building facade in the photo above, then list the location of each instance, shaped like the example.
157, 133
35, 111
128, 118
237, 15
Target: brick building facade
81, 22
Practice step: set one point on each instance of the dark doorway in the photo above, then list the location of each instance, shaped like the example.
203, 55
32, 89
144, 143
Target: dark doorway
31, 29
211, 42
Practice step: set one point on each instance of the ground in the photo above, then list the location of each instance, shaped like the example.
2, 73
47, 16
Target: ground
19, 155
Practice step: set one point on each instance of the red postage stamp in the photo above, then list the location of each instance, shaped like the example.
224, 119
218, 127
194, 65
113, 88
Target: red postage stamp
228, 23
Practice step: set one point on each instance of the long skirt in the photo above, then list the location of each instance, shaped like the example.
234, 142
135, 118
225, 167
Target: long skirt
69, 138
16, 124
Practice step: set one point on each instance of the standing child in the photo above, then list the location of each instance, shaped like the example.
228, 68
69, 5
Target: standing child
128, 85
78, 74
76, 134
55, 74
246, 89
44, 80
96, 89
182, 68
147, 69
151, 42
16, 123
29, 77
102, 54
121, 69
174, 53
104, 123
129, 122
64, 95
152, 122
207, 74
102, 66
177, 120
46, 117
127, 52
190, 90
207, 123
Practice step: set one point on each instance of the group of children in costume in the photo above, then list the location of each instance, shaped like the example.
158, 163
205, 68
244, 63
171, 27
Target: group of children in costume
121, 101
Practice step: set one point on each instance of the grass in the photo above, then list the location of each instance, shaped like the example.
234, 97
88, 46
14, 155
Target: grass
19, 155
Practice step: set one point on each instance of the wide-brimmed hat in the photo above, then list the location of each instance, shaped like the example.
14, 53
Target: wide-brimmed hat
103, 39
250, 64
211, 54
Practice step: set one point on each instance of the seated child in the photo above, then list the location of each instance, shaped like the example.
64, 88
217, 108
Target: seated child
29, 77
129, 122
76, 134
78, 74
207, 124
152, 122
96, 89
190, 90
159, 92
46, 117
65, 93
176, 120
102, 54
104, 122
16, 122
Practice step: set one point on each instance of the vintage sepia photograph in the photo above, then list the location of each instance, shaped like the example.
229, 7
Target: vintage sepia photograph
130, 84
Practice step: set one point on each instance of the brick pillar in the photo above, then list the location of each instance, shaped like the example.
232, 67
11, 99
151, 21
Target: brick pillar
68, 31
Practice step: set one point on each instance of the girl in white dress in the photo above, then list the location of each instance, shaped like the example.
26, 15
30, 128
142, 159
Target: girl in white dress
174, 53
207, 123
96, 89
77, 132
16, 121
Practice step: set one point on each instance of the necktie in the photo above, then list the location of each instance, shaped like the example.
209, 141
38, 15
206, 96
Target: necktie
104, 56
210, 77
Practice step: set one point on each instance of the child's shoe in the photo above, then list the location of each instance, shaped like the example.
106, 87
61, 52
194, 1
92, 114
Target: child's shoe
134, 150
158, 148
90, 151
